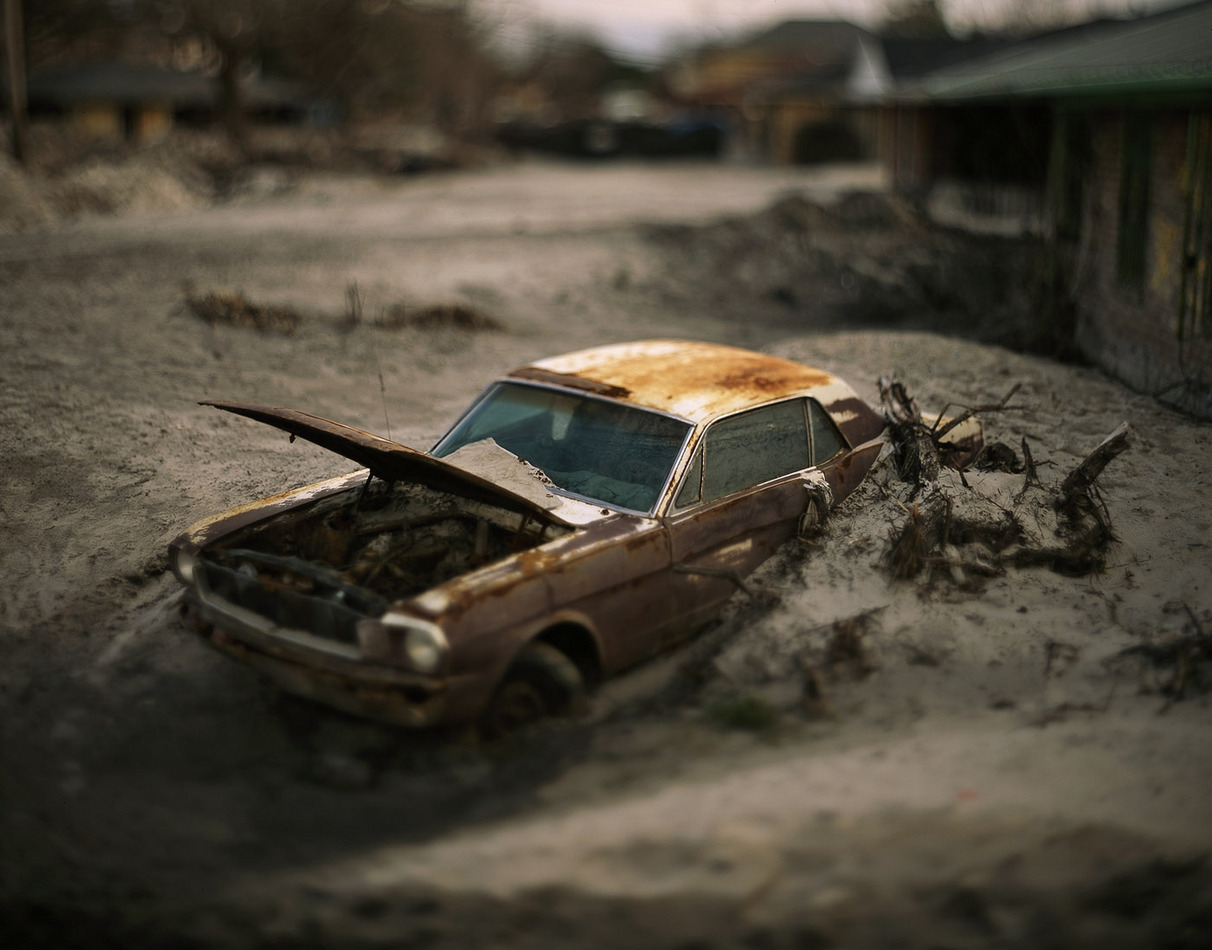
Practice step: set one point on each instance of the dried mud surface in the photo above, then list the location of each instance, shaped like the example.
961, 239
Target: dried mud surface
1014, 758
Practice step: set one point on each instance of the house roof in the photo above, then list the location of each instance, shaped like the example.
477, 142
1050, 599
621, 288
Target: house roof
91, 82
911, 57
803, 35
126, 83
1165, 52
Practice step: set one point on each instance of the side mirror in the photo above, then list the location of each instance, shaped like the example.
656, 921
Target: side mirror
816, 507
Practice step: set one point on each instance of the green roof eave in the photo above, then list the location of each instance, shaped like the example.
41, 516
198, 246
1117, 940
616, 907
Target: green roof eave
1061, 88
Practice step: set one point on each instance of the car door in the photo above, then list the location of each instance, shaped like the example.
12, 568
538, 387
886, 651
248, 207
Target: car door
842, 466
742, 497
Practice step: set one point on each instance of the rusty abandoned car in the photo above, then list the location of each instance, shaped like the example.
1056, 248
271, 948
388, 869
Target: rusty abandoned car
586, 512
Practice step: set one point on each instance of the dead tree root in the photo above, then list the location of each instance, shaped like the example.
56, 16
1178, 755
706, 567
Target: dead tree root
973, 532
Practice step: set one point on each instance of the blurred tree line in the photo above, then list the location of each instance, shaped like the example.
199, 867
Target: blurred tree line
424, 60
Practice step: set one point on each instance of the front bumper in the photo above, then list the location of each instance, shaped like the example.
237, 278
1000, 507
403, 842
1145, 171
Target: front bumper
326, 671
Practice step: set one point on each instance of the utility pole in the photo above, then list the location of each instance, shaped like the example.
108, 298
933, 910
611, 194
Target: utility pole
14, 56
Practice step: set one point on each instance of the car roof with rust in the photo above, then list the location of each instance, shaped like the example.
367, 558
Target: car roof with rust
697, 381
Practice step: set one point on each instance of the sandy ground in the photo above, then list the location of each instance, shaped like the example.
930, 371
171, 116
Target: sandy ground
1021, 760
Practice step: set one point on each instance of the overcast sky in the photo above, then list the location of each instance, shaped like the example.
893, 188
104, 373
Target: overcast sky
644, 28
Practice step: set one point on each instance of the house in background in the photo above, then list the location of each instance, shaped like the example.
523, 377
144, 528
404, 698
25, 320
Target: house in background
139, 103
748, 84
117, 101
810, 91
1108, 131
1096, 137
841, 113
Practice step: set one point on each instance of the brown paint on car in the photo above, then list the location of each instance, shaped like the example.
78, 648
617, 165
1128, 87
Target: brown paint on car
611, 586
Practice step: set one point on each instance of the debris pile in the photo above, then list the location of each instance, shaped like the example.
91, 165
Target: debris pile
236, 310
974, 524
867, 260
441, 316
1173, 663
960, 515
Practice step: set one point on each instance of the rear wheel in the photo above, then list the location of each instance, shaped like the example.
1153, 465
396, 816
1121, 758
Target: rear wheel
542, 682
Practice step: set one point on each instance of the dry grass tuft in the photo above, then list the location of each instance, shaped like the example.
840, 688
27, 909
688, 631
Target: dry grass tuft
442, 316
234, 309
909, 548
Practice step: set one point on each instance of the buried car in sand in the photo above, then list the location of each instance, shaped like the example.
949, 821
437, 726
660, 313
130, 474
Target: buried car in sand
585, 512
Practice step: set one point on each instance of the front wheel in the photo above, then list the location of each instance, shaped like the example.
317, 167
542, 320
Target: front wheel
542, 682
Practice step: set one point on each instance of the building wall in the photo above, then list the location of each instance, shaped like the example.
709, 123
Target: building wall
792, 116
786, 118
109, 121
151, 123
906, 146
97, 120
1129, 280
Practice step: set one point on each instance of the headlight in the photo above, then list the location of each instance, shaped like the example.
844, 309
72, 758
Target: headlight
185, 566
425, 648
421, 644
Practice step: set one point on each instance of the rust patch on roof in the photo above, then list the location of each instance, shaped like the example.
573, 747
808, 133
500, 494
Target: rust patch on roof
571, 381
691, 379
765, 383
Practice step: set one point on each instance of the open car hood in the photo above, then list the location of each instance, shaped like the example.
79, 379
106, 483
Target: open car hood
513, 484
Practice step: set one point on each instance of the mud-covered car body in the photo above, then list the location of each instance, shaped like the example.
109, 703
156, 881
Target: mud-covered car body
604, 504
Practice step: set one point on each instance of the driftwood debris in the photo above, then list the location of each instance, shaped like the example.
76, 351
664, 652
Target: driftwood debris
234, 309
922, 447
1081, 480
977, 529
1174, 666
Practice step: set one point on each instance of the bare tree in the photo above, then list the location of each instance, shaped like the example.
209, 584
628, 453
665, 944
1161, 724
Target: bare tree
1027, 16
14, 57
372, 56
236, 32
574, 70
58, 30
916, 18
390, 56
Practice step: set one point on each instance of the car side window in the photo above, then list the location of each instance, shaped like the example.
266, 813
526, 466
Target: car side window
692, 485
826, 440
754, 447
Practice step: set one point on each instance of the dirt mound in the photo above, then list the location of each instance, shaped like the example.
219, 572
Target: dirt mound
937, 533
142, 185
22, 204
69, 179
866, 260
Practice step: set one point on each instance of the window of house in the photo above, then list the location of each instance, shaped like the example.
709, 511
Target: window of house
1135, 169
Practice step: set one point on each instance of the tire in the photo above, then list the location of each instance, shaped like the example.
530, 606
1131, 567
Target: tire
541, 683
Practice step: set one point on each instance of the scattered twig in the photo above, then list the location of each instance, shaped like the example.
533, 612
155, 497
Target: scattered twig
969, 413
353, 308
238, 311
900, 406
1030, 477
1082, 478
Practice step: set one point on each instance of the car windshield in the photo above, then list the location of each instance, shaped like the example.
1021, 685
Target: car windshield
616, 454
